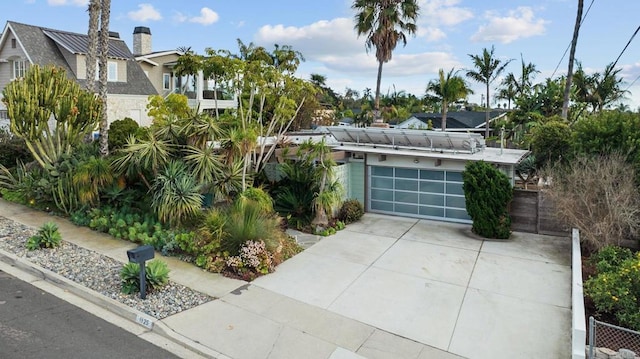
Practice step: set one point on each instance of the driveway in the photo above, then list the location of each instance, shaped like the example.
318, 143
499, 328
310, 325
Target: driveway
438, 284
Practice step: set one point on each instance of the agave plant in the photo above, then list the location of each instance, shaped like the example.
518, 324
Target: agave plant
175, 194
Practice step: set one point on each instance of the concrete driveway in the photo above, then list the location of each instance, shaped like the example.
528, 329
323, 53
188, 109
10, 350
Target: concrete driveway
439, 285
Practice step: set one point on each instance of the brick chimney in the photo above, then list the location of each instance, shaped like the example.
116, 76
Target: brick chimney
141, 40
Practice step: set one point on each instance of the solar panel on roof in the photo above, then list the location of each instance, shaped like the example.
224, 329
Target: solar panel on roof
430, 140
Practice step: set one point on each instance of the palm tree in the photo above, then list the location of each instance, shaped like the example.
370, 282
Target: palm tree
487, 68
598, 90
385, 22
572, 53
94, 19
105, 12
448, 89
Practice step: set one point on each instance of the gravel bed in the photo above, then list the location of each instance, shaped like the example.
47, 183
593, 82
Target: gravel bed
97, 272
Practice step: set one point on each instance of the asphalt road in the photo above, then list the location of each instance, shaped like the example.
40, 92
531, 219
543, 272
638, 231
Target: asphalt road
36, 324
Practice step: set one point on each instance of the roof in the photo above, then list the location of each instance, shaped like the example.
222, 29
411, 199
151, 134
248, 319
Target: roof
422, 143
79, 43
458, 119
43, 46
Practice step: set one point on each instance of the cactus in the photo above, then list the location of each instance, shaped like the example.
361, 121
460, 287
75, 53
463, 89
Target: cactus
47, 93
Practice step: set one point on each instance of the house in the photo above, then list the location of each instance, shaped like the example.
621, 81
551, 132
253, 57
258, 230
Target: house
457, 121
413, 173
159, 67
128, 88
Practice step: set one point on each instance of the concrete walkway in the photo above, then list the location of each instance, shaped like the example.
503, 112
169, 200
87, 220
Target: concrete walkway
385, 287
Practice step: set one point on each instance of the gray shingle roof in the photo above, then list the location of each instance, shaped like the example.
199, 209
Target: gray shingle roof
458, 119
42, 46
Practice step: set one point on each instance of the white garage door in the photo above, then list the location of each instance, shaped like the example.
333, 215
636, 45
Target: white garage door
417, 193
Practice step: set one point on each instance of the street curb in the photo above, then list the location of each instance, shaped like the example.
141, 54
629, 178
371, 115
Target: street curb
119, 309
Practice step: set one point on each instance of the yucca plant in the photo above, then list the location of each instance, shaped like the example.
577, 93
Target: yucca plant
48, 236
176, 195
156, 274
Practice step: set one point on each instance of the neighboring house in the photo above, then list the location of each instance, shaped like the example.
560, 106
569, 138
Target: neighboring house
413, 173
158, 65
128, 88
457, 121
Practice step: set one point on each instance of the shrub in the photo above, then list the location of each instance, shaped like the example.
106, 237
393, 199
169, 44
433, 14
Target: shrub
609, 258
48, 236
253, 258
550, 142
258, 195
616, 290
119, 132
487, 193
351, 211
597, 195
156, 274
12, 149
246, 221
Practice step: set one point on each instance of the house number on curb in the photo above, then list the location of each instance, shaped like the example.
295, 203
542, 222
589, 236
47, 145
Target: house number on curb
144, 321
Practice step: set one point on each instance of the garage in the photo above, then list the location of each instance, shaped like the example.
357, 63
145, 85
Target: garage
415, 173
421, 193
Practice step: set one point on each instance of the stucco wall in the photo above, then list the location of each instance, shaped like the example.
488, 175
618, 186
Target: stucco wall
133, 106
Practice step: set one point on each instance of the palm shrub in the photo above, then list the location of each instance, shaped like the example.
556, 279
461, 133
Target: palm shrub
156, 274
487, 193
48, 236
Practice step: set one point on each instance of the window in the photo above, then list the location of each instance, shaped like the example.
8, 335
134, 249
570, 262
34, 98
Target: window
13, 43
112, 71
166, 81
19, 68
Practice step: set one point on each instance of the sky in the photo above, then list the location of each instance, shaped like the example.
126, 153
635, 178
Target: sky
538, 31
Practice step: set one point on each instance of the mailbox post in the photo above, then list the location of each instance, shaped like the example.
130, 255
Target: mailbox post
140, 255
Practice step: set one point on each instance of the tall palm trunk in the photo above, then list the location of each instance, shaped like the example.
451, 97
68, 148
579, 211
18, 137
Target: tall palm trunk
376, 106
104, 51
94, 17
486, 115
572, 53
445, 109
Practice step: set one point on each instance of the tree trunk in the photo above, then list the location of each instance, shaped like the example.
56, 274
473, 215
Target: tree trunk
104, 51
445, 108
486, 115
376, 106
94, 17
572, 53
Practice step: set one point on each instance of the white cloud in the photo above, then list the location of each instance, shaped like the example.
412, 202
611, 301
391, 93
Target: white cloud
179, 17
322, 38
68, 2
443, 12
519, 23
145, 12
431, 34
207, 17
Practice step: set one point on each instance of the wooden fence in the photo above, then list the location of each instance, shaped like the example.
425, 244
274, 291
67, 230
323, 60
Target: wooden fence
533, 212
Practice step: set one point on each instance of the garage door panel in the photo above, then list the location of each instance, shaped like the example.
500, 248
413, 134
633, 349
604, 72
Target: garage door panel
455, 188
406, 173
432, 187
432, 199
382, 206
406, 185
382, 194
382, 171
431, 211
457, 214
454, 176
432, 175
407, 208
378, 182
457, 202
406, 197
